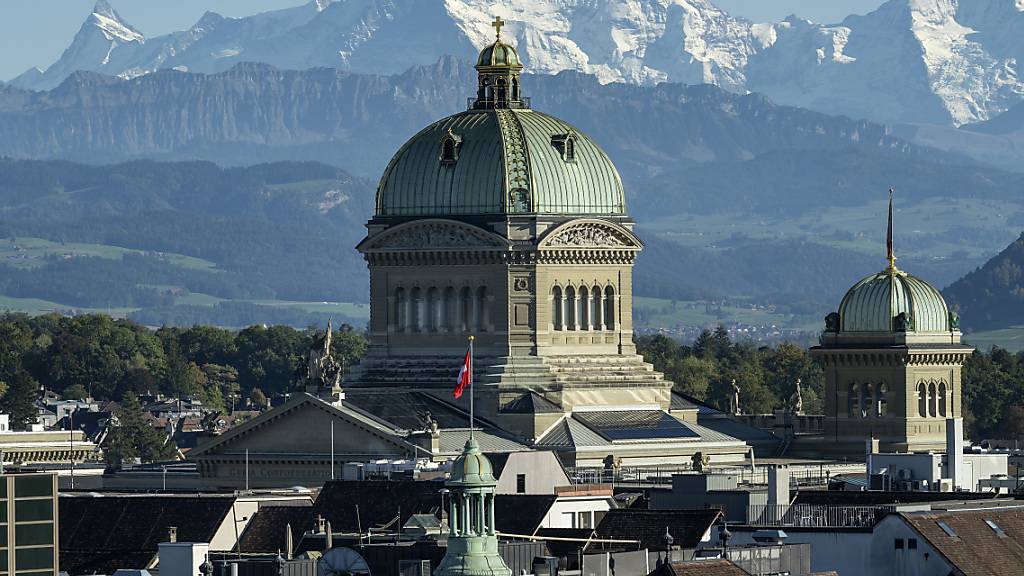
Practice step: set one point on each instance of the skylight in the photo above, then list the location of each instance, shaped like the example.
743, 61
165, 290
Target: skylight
945, 528
995, 528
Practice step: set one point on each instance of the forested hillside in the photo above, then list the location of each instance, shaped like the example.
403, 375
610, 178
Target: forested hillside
992, 296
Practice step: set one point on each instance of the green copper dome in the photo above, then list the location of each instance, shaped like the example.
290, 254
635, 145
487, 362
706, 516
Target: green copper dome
893, 301
472, 468
498, 54
500, 161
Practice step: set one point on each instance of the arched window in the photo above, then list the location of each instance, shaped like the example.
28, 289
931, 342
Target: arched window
571, 317
570, 149
881, 391
942, 399
922, 400
401, 310
852, 401
433, 322
865, 400
515, 89
557, 320
584, 308
448, 151
596, 309
416, 310
482, 317
933, 401
451, 310
609, 308
465, 309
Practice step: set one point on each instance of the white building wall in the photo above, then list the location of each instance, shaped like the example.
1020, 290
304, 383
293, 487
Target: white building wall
565, 512
542, 470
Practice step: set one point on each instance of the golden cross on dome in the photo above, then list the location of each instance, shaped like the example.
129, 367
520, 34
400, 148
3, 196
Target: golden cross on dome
498, 23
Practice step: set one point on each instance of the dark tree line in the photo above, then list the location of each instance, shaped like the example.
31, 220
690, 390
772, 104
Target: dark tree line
108, 359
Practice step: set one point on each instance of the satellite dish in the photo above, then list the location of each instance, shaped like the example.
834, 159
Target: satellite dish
342, 562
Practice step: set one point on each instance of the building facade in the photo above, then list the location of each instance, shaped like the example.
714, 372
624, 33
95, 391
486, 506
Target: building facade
510, 225
892, 359
29, 506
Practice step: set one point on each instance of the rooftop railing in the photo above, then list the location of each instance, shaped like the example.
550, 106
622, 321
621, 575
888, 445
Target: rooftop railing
813, 516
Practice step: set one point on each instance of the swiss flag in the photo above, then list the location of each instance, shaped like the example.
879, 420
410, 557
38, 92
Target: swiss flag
464, 376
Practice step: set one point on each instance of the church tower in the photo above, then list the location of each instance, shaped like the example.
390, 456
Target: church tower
892, 359
472, 539
510, 225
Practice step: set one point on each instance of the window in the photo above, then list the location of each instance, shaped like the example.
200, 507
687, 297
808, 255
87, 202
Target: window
416, 310
570, 152
995, 528
401, 310
557, 308
597, 323
586, 520
520, 483
899, 544
570, 301
433, 322
584, 309
945, 528
865, 400
922, 400
932, 400
942, 399
481, 317
450, 148
911, 543
852, 400
450, 310
609, 308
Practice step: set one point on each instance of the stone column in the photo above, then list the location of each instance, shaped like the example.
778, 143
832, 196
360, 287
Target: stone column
480, 514
601, 325
453, 515
490, 514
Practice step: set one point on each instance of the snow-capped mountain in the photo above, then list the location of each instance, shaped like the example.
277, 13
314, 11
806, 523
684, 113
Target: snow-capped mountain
919, 61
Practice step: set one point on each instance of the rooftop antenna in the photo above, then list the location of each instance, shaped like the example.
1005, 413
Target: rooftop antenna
890, 254
472, 360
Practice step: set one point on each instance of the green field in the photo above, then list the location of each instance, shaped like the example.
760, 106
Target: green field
934, 228
28, 252
1011, 339
660, 313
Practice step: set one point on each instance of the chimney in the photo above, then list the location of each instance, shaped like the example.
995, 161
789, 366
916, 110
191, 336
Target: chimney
172, 534
870, 449
778, 486
955, 451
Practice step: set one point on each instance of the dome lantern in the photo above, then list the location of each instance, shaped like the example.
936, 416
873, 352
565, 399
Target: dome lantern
498, 68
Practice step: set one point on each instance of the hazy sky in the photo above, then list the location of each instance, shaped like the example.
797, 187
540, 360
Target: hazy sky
35, 32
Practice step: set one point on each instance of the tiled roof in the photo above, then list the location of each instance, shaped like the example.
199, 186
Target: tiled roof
453, 441
378, 502
521, 513
265, 531
977, 549
687, 527
717, 567
100, 534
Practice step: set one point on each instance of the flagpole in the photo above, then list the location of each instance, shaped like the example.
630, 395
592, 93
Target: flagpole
471, 361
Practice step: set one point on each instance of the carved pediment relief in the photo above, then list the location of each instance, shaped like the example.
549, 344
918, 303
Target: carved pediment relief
433, 235
590, 234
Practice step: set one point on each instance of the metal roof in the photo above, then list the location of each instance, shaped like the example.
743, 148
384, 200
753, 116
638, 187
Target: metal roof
507, 161
635, 425
598, 428
872, 304
453, 441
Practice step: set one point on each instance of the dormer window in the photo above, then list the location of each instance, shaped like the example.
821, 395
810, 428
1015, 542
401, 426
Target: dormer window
450, 148
566, 145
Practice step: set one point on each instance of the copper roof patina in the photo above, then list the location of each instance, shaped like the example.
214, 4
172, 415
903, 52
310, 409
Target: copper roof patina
874, 303
508, 161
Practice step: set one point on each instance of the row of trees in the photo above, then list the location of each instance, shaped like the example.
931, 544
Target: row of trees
95, 355
766, 375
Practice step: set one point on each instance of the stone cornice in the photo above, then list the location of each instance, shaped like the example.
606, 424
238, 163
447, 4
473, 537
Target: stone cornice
427, 257
892, 358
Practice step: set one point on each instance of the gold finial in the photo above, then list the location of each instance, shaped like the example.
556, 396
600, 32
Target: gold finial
498, 23
890, 254
471, 338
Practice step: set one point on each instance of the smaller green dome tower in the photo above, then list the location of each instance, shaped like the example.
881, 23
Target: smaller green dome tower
892, 359
472, 539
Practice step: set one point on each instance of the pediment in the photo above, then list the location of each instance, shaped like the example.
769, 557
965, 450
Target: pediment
304, 426
433, 234
590, 233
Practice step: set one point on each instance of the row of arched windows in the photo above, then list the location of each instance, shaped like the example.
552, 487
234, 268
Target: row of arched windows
583, 308
867, 400
450, 309
931, 399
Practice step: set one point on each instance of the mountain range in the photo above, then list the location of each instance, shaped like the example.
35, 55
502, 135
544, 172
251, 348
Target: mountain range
946, 62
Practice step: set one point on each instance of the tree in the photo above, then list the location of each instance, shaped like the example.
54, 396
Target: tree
75, 392
258, 398
133, 438
19, 401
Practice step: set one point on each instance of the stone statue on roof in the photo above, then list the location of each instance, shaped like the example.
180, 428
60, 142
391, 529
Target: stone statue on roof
796, 401
734, 402
323, 371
